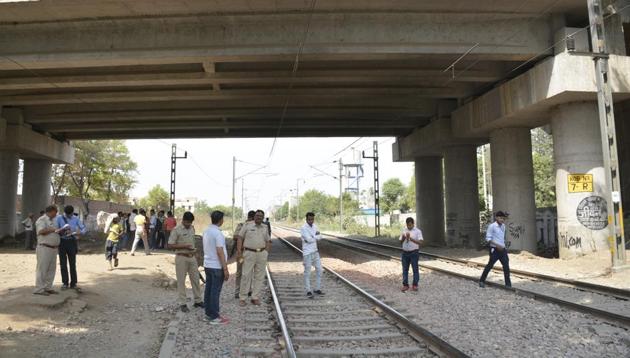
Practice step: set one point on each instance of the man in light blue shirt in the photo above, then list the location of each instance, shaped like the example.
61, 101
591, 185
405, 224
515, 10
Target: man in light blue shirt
310, 235
215, 265
72, 228
495, 236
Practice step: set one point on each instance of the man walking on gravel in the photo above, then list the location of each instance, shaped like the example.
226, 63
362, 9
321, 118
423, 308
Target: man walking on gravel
310, 235
238, 249
215, 265
495, 236
411, 237
140, 233
182, 240
256, 246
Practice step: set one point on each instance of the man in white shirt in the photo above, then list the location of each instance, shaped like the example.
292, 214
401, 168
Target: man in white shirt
310, 235
29, 237
495, 236
411, 237
215, 265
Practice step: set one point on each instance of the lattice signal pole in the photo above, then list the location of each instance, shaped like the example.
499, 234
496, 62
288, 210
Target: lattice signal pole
377, 206
174, 158
608, 133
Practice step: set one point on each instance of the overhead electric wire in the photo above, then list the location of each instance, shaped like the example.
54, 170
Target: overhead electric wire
293, 72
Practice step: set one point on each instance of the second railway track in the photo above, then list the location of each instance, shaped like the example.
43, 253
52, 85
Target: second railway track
609, 303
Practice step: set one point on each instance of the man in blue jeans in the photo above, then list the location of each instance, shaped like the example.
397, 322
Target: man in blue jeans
410, 238
495, 236
71, 229
215, 265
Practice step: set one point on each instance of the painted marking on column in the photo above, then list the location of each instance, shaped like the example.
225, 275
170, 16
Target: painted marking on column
580, 183
592, 212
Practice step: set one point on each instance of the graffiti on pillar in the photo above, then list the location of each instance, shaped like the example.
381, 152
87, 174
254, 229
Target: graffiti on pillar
592, 212
516, 232
569, 242
451, 221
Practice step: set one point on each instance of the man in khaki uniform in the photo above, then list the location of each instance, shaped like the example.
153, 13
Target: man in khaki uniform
238, 245
46, 252
182, 240
256, 243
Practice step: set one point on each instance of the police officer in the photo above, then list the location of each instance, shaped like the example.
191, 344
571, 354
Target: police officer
182, 240
238, 247
46, 252
256, 244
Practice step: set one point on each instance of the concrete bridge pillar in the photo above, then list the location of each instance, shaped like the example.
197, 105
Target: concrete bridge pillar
430, 199
581, 190
35, 186
513, 185
462, 196
9, 165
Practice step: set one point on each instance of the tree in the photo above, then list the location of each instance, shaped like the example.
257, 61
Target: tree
392, 192
102, 170
157, 198
544, 174
282, 213
409, 197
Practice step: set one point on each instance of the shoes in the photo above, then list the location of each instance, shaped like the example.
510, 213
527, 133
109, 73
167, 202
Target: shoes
217, 321
199, 304
256, 302
508, 286
148, 253
309, 294
242, 303
42, 293
405, 288
319, 292
132, 254
115, 262
481, 284
414, 288
76, 288
184, 308
51, 292
64, 287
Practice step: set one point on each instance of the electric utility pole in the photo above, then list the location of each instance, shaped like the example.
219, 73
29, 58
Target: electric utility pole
340, 195
377, 208
174, 158
608, 133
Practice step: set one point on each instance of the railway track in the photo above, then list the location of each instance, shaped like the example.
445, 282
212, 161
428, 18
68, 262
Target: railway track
602, 301
344, 322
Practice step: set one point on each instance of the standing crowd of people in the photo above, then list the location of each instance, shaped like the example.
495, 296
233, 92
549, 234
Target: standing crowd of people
58, 235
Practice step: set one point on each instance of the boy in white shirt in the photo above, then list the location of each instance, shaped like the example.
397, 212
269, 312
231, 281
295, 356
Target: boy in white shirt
410, 238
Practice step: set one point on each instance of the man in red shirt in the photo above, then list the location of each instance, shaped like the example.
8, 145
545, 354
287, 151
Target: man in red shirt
169, 224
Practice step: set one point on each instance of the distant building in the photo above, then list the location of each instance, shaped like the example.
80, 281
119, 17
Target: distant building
187, 204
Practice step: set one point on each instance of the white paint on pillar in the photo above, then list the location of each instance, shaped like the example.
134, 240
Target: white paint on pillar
513, 185
9, 165
582, 216
461, 196
430, 199
35, 186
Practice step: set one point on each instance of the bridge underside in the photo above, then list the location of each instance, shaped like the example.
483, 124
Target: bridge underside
130, 69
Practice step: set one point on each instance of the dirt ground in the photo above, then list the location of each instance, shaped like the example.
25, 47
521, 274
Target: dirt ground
122, 313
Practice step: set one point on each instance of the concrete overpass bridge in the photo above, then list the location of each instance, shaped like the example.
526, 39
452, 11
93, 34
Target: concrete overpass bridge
442, 76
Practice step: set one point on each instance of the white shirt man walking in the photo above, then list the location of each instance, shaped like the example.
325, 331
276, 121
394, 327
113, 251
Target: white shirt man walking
495, 236
310, 235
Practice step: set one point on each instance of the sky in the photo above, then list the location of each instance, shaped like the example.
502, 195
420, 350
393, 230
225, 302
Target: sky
268, 179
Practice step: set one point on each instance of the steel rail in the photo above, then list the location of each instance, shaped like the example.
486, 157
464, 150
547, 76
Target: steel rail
280, 316
521, 292
434, 343
619, 292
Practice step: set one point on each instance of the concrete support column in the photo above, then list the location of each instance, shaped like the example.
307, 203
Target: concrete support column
462, 196
35, 186
430, 199
513, 185
582, 211
9, 166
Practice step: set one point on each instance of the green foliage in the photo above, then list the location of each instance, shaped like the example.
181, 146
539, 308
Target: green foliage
157, 198
391, 195
102, 170
323, 205
282, 213
409, 198
203, 209
544, 172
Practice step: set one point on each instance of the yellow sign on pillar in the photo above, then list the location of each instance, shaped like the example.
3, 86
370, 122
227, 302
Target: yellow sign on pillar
580, 183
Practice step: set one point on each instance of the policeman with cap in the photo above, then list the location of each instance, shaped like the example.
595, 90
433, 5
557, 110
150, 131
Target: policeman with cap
495, 236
